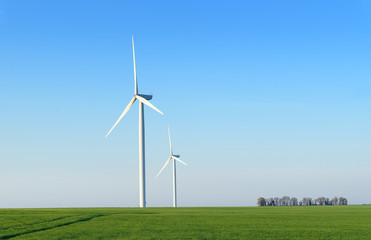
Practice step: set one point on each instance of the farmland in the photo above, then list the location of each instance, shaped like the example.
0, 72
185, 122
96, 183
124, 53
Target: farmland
312, 222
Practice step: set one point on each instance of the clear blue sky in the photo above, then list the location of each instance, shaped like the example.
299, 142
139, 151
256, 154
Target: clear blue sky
264, 98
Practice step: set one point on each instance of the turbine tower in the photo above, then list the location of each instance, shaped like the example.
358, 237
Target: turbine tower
143, 99
174, 158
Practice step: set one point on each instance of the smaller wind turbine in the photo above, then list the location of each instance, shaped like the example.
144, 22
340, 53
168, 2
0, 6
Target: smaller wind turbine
174, 158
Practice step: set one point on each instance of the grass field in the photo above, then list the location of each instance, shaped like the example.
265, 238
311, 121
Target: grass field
315, 222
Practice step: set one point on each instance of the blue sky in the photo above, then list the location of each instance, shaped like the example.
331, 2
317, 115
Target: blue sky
264, 98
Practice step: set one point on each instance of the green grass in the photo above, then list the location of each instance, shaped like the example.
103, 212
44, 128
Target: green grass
315, 222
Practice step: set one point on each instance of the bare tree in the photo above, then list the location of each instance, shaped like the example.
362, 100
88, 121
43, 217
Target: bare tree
307, 201
294, 201
285, 201
276, 201
320, 201
269, 202
261, 202
343, 201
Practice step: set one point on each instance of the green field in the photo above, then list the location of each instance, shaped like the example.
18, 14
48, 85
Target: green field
315, 222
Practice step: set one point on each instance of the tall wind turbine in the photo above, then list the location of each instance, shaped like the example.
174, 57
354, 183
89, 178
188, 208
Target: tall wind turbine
143, 99
174, 158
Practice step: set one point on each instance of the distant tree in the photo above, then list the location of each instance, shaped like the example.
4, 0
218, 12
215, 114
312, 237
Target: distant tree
276, 201
321, 200
285, 201
269, 202
294, 201
343, 201
261, 202
307, 201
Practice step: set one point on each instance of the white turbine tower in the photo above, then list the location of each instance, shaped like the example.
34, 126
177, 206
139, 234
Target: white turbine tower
143, 99
174, 158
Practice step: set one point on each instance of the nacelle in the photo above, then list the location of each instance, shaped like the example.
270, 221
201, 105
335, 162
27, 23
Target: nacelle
145, 96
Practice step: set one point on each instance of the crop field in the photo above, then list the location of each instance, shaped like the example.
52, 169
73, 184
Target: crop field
314, 222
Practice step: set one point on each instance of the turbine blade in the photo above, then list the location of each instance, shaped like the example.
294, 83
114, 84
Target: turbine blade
179, 160
135, 70
122, 115
171, 149
167, 162
146, 102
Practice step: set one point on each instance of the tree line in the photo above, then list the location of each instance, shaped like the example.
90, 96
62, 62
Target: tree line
287, 201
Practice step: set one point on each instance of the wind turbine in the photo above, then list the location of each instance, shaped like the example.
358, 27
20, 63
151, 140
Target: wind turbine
143, 99
174, 158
